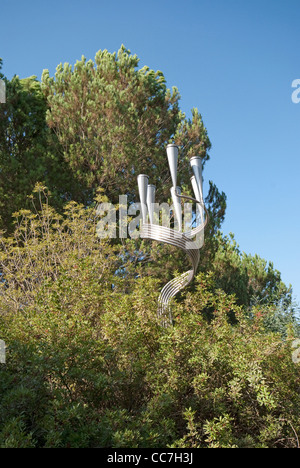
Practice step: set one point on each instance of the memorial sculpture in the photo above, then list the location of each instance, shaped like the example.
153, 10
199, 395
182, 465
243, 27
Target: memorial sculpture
189, 241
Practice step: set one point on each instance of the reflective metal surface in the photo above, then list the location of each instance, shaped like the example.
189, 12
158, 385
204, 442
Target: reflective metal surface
190, 242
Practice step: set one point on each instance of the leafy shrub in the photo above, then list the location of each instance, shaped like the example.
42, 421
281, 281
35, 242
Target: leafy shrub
88, 364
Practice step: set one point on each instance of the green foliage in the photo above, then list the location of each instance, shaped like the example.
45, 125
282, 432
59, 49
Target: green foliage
113, 121
252, 279
21, 135
99, 124
88, 364
110, 118
29, 151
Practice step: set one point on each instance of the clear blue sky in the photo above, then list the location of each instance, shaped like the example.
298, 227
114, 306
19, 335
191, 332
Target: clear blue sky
235, 60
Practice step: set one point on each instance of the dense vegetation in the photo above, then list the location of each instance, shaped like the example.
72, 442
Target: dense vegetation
87, 362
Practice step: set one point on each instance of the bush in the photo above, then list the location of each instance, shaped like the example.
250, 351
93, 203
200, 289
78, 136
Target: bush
88, 364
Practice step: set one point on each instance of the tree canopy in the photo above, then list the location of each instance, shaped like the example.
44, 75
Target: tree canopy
113, 121
89, 365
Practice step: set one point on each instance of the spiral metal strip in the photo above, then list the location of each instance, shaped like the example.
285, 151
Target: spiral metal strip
182, 240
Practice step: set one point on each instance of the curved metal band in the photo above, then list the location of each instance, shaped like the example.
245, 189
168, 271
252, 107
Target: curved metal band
190, 247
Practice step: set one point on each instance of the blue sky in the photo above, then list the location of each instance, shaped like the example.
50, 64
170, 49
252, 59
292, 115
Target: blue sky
235, 60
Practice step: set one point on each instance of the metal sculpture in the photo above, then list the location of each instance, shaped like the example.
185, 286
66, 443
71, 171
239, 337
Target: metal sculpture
190, 242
